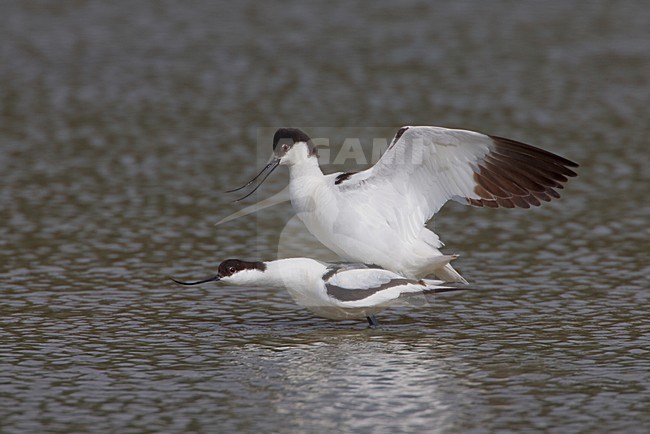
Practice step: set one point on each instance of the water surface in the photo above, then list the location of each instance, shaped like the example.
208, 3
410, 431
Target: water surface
121, 126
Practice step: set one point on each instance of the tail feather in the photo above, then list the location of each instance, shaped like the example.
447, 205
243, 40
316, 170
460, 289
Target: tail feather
443, 270
437, 286
433, 287
448, 274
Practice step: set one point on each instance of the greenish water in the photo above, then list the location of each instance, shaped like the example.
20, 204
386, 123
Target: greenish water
121, 125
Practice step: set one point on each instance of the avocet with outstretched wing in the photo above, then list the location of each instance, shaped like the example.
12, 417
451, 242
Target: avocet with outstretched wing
378, 216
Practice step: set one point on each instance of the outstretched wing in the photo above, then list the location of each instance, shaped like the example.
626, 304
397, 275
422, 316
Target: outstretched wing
427, 166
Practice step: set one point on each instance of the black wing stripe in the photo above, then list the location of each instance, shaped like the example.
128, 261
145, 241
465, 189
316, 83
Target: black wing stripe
347, 294
399, 134
343, 177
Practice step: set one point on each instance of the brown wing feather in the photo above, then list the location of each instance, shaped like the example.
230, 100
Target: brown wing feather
515, 174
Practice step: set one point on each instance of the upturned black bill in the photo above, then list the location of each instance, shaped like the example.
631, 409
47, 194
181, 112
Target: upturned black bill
209, 279
270, 167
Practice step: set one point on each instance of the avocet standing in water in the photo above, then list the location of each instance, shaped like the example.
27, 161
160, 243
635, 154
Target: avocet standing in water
334, 291
378, 216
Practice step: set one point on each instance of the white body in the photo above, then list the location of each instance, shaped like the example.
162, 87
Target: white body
378, 216
334, 291
351, 226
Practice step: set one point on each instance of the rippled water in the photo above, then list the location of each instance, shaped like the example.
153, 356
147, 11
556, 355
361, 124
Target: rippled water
121, 126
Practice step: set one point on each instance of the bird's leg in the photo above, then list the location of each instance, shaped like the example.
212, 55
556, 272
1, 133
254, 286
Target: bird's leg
372, 320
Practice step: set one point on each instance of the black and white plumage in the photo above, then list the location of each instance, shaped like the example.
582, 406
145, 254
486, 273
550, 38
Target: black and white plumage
334, 291
378, 215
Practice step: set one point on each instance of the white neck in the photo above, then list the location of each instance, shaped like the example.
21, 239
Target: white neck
306, 182
293, 272
305, 166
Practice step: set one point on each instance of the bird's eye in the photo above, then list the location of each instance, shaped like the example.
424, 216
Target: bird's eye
231, 269
285, 147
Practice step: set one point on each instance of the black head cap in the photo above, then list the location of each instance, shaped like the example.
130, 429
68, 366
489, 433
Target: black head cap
232, 266
289, 136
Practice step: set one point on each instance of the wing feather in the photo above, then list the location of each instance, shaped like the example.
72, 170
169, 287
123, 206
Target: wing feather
424, 167
369, 286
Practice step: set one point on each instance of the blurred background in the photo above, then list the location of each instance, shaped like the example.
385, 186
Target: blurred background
122, 124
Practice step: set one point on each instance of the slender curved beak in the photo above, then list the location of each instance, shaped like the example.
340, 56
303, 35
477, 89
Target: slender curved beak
209, 279
275, 162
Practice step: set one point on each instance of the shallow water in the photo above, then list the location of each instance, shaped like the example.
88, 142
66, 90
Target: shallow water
122, 126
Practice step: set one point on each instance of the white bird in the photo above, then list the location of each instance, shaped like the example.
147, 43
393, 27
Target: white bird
334, 291
378, 216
